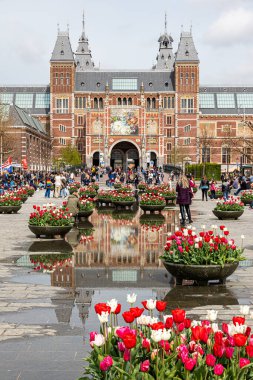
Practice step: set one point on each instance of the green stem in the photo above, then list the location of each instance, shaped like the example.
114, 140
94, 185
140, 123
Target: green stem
157, 378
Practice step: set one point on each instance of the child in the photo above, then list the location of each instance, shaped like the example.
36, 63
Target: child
212, 188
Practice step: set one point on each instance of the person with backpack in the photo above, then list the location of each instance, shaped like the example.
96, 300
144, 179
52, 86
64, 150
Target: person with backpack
225, 189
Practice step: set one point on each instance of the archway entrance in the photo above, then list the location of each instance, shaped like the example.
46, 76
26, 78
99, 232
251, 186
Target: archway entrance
124, 155
95, 159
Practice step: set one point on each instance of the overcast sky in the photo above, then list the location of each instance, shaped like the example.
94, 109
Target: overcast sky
123, 34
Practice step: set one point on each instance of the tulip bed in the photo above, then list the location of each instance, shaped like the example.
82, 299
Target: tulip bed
10, 199
86, 204
171, 346
151, 199
120, 196
232, 204
87, 191
50, 215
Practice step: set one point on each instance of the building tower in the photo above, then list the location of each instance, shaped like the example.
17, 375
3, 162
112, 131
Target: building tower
62, 84
83, 53
186, 104
165, 57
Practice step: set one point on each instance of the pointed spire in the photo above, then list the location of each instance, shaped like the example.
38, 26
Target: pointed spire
83, 55
83, 23
165, 57
62, 49
165, 23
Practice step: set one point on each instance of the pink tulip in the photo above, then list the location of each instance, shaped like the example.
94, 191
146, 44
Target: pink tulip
127, 355
243, 362
92, 336
218, 369
229, 352
144, 366
106, 363
121, 346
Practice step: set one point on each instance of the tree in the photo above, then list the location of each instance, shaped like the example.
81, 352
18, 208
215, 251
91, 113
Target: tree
206, 140
7, 139
243, 142
70, 156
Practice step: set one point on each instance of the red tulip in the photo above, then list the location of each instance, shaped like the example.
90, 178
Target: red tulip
189, 364
243, 362
161, 305
218, 337
146, 344
218, 350
210, 360
169, 322
128, 316
240, 340
178, 315
118, 309
144, 366
158, 326
99, 307
136, 311
218, 369
239, 320
229, 352
129, 340
249, 350
187, 323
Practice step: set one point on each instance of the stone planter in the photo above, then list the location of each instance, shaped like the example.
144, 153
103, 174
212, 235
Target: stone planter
117, 185
104, 200
246, 201
221, 215
91, 195
201, 274
123, 203
50, 231
152, 208
24, 199
170, 201
9, 209
84, 214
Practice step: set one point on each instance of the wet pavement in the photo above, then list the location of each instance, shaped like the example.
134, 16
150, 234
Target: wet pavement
45, 315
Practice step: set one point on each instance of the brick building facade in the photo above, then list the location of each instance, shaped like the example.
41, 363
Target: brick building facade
118, 117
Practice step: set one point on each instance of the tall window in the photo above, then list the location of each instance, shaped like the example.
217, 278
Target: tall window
169, 132
168, 120
79, 120
62, 128
62, 141
181, 78
186, 78
226, 153
246, 156
67, 79
100, 104
165, 103
193, 79
153, 103
124, 101
56, 78
96, 103
130, 102
119, 102
187, 105
80, 102
148, 102
62, 105
61, 78
206, 154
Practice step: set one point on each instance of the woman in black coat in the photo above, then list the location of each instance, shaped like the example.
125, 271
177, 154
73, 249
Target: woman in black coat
204, 186
184, 197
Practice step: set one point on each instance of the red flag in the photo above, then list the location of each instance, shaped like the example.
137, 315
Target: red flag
7, 163
24, 163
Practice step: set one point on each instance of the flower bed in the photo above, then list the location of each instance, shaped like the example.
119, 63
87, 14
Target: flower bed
233, 204
125, 189
151, 200
173, 346
10, 199
142, 186
247, 196
50, 262
30, 190
218, 193
211, 247
86, 204
22, 194
50, 216
88, 191
121, 196
73, 187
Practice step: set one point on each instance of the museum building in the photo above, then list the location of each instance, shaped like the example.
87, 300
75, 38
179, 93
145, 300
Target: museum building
159, 116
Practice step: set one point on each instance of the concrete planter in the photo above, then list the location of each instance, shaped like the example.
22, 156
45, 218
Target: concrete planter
246, 201
49, 231
84, 214
152, 208
88, 195
9, 209
123, 203
24, 199
221, 215
201, 274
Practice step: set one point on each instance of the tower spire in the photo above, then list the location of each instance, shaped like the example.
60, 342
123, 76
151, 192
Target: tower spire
83, 23
165, 23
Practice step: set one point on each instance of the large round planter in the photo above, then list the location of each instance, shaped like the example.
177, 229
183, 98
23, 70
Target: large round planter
84, 214
24, 199
123, 203
50, 231
9, 209
92, 195
152, 208
246, 201
117, 185
201, 274
104, 200
216, 196
227, 214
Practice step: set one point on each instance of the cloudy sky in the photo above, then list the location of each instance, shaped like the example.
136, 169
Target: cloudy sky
123, 34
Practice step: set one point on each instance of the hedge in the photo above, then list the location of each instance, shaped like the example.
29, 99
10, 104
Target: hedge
211, 170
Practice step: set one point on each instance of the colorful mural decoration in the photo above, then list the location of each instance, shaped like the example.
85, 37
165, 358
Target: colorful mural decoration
97, 127
152, 127
124, 121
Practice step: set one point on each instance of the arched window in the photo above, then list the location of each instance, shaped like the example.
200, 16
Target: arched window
124, 101
186, 78
95, 102
181, 78
56, 78
101, 104
119, 102
193, 77
226, 155
130, 101
61, 78
153, 103
148, 103
164, 102
67, 79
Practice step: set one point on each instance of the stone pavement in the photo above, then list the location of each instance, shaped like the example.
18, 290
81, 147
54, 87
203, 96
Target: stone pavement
41, 333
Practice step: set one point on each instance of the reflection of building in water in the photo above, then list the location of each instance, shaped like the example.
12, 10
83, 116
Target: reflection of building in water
63, 276
124, 242
83, 302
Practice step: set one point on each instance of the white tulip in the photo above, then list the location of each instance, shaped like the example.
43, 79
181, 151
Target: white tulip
151, 304
185, 232
244, 309
242, 237
196, 240
212, 315
131, 298
251, 315
193, 228
143, 320
156, 335
166, 334
203, 227
113, 303
176, 229
153, 320
99, 340
215, 327
103, 318
196, 323
166, 316
196, 245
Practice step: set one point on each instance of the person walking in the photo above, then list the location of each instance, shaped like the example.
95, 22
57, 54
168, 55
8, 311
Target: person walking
57, 185
184, 197
204, 186
213, 189
225, 189
48, 186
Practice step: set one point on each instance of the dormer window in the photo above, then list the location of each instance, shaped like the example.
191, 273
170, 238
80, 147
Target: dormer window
187, 53
87, 63
82, 50
162, 57
169, 57
62, 52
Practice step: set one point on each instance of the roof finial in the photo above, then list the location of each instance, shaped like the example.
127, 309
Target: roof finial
83, 21
68, 28
165, 23
58, 27
191, 28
